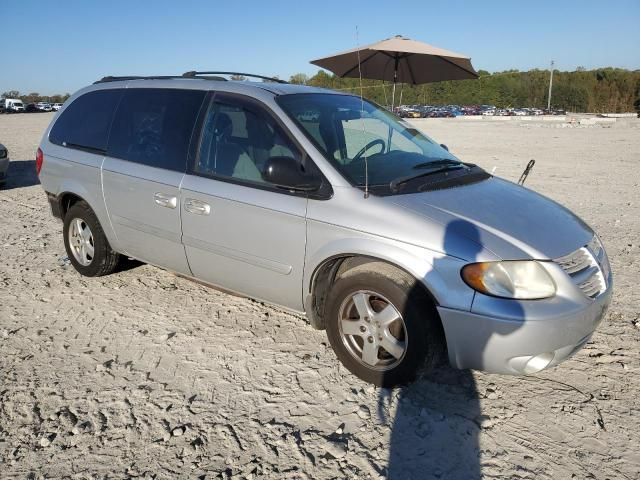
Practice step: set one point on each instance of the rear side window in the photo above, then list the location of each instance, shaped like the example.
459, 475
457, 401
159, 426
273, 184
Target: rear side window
154, 126
85, 123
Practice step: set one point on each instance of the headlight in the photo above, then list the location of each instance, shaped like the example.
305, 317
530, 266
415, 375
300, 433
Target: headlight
595, 246
597, 250
519, 279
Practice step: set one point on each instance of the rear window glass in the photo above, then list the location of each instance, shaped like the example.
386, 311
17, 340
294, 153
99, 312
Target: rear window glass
154, 126
85, 123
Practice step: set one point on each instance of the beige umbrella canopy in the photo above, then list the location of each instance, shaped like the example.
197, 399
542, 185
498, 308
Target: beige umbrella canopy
400, 59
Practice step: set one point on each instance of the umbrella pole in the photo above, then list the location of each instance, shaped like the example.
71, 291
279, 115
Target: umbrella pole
395, 80
393, 93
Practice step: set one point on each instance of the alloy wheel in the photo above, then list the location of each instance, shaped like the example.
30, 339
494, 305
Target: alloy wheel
372, 330
81, 242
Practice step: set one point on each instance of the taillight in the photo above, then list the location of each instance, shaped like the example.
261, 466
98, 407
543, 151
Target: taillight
39, 161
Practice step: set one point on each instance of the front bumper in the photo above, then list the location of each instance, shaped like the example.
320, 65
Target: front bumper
529, 340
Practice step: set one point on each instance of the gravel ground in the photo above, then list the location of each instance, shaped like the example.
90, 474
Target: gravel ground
144, 374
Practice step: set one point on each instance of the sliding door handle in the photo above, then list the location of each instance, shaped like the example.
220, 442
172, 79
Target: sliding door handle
165, 200
197, 207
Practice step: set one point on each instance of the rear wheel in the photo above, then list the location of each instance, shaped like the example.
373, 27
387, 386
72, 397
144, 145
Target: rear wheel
86, 244
382, 326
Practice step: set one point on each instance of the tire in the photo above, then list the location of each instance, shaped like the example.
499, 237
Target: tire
418, 331
98, 258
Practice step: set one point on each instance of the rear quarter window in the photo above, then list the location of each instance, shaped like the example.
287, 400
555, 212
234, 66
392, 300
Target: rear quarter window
85, 123
154, 126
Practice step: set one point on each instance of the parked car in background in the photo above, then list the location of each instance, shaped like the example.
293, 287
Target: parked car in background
471, 110
408, 113
259, 188
56, 106
4, 163
439, 111
31, 108
43, 106
554, 111
13, 105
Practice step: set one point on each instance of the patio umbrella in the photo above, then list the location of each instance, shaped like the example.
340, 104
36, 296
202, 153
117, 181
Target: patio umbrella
400, 59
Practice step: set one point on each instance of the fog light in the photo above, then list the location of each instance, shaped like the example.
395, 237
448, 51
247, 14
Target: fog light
537, 363
531, 364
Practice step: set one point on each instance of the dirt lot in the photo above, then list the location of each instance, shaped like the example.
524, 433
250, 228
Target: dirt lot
143, 374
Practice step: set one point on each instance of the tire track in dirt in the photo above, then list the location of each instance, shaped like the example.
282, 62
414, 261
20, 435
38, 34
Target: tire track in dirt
145, 374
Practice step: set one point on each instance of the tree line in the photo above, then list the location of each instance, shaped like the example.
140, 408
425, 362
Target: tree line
35, 97
598, 91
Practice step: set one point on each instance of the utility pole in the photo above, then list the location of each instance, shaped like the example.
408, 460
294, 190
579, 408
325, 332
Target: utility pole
550, 87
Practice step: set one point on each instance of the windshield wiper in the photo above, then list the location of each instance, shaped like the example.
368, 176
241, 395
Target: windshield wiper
436, 163
394, 184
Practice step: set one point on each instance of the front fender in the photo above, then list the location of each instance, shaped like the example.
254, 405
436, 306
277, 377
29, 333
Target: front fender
439, 273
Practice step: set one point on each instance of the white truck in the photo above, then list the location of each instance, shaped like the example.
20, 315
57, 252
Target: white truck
11, 105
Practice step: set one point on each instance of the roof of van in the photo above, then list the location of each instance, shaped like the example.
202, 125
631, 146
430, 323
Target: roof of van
211, 84
288, 88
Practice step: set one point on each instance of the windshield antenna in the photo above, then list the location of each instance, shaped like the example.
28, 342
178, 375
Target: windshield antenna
366, 164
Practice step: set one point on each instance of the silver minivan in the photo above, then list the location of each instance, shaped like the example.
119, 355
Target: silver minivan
328, 205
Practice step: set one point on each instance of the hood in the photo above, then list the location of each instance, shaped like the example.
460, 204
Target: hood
511, 221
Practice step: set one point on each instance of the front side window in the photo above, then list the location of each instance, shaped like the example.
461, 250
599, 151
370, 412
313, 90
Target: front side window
154, 126
238, 138
348, 130
85, 123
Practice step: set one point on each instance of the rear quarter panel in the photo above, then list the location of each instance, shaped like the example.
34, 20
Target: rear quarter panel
67, 170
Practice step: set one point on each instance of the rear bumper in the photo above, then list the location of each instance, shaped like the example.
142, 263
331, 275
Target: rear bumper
519, 345
55, 204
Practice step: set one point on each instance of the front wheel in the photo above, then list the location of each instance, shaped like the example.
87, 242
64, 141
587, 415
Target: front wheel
86, 244
382, 326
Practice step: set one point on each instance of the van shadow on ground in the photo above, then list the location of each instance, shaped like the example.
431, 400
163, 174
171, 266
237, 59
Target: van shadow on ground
21, 173
436, 426
435, 430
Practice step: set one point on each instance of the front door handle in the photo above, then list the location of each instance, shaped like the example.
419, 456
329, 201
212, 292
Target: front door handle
165, 200
197, 207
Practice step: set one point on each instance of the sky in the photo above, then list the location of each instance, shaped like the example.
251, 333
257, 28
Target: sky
60, 46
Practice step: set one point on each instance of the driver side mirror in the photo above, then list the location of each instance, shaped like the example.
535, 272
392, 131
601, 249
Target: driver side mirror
286, 172
444, 146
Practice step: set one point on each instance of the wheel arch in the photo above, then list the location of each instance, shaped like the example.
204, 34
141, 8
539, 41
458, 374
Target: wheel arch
326, 271
74, 192
68, 199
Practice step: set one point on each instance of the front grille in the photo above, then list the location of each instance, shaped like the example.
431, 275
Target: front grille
588, 267
576, 261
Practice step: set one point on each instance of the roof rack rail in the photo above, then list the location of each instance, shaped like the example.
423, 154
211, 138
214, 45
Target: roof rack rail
134, 77
194, 74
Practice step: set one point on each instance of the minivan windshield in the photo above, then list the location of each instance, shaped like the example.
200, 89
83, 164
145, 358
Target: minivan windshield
347, 130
